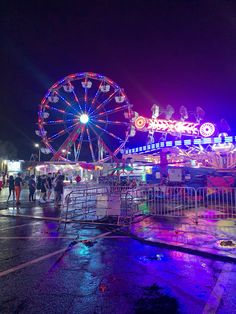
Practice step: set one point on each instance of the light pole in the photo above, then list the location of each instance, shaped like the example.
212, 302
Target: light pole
39, 152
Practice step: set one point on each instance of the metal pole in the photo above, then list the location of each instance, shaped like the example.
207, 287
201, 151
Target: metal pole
196, 205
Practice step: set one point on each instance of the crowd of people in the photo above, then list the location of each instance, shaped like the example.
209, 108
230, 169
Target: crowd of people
46, 184
42, 186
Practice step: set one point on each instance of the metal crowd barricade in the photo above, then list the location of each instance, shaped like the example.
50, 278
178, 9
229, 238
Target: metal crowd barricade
95, 202
162, 201
80, 203
216, 202
91, 203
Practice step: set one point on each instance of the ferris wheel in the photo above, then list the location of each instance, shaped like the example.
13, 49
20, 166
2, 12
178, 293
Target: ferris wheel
84, 116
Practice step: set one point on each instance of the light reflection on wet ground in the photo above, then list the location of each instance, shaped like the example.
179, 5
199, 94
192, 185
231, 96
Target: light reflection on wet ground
114, 275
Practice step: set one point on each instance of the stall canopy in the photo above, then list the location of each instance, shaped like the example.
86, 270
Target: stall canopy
125, 168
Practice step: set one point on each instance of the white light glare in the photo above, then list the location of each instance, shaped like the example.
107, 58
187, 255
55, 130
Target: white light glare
84, 118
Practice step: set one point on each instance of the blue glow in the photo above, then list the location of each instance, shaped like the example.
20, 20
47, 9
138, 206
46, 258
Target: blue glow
169, 143
187, 142
217, 140
197, 141
228, 139
207, 140
178, 143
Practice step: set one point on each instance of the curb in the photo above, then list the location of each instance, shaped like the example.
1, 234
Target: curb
208, 253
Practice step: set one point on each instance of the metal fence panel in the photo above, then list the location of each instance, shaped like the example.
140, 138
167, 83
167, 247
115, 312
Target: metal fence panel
216, 202
162, 200
93, 202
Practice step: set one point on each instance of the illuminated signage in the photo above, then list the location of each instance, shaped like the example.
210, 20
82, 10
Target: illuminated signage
14, 166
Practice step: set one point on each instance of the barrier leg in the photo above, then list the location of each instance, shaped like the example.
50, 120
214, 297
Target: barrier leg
196, 206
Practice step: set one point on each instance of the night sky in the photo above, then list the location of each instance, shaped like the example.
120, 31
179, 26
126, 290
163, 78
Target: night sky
167, 52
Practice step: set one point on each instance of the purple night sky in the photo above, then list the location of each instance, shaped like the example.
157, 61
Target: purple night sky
162, 51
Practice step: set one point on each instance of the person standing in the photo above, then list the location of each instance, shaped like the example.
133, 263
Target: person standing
11, 184
43, 189
38, 186
49, 186
32, 188
18, 187
1, 182
4, 177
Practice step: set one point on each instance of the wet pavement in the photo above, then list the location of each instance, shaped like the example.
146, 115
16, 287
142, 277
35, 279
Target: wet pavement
207, 238
87, 269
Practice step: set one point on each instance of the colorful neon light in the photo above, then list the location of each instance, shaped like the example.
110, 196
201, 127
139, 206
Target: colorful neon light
174, 127
221, 142
207, 129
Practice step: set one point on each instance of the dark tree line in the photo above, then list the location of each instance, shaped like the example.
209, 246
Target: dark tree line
7, 150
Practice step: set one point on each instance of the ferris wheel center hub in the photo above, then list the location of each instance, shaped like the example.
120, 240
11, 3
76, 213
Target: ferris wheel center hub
84, 118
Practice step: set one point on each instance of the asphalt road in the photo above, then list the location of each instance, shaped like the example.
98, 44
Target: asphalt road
46, 271
42, 273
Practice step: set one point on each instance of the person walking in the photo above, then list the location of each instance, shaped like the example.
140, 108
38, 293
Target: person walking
11, 184
18, 187
32, 188
58, 190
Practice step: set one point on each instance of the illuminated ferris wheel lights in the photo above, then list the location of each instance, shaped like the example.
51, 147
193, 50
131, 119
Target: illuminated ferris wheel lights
86, 84
68, 88
120, 99
84, 118
84, 101
53, 98
45, 115
41, 133
105, 88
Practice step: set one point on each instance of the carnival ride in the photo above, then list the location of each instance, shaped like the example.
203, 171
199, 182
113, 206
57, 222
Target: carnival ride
189, 143
88, 117
84, 116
